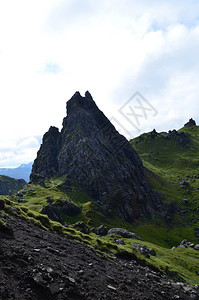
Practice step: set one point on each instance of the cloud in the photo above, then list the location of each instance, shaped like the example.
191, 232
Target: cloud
50, 49
18, 151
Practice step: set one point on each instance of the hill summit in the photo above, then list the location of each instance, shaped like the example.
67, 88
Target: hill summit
96, 158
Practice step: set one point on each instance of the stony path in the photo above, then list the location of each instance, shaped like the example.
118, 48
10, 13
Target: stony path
36, 264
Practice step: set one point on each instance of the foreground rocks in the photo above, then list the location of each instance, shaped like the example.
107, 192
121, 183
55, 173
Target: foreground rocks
187, 244
37, 264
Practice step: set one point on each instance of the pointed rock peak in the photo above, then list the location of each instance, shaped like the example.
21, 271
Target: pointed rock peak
99, 160
53, 130
190, 123
88, 96
76, 95
77, 101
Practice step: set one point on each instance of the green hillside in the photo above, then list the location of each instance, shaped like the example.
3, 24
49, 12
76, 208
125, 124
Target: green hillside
10, 185
172, 167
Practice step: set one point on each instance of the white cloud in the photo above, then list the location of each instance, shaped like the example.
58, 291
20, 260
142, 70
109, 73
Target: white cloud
50, 49
18, 151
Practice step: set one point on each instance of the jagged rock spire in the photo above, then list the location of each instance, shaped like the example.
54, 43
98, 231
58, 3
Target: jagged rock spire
98, 159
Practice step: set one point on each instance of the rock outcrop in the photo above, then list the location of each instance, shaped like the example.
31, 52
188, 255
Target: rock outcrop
190, 123
55, 211
182, 138
96, 158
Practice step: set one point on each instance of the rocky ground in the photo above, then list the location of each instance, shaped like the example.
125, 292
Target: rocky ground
35, 264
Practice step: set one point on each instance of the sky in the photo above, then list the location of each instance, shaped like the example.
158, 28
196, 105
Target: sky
139, 59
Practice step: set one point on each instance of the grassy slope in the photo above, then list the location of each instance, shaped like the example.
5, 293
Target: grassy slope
182, 263
172, 164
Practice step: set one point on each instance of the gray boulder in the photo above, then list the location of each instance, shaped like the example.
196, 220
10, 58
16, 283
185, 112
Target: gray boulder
185, 244
124, 233
144, 249
196, 247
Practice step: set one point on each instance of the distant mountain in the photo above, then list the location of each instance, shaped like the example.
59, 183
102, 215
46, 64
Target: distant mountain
10, 185
21, 172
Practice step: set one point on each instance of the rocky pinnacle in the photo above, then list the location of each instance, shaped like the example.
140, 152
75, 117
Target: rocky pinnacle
95, 157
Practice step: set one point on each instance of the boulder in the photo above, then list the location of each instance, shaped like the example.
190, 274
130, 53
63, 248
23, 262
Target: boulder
185, 244
144, 249
196, 247
101, 230
124, 233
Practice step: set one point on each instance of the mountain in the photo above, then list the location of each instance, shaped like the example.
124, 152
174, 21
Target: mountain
10, 185
95, 158
171, 163
70, 203
21, 172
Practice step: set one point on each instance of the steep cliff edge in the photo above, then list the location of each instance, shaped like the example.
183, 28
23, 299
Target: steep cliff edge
96, 158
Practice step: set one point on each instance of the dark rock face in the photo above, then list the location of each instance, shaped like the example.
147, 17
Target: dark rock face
46, 163
55, 211
190, 123
182, 138
97, 158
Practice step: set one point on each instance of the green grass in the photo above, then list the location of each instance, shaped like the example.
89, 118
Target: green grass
170, 164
